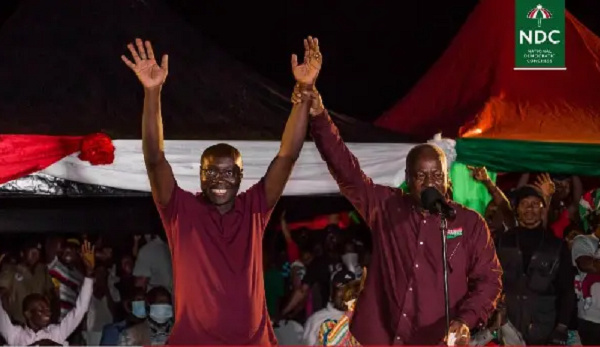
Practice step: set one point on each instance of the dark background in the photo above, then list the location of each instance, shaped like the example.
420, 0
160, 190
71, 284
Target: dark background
375, 51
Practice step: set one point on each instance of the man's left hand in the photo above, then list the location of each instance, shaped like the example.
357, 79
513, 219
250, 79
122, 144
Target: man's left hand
461, 333
559, 336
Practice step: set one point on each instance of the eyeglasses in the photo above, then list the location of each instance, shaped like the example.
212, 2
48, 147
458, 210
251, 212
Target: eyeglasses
227, 173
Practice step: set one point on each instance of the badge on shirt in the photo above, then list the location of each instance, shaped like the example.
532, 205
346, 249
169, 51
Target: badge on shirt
454, 233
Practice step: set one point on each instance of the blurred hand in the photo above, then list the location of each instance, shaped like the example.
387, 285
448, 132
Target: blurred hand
88, 258
461, 332
480, 174
545, 184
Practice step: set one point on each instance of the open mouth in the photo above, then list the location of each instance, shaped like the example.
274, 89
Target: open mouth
219, 192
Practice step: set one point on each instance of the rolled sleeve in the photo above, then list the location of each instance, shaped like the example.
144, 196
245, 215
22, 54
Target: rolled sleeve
485, 278
582, 247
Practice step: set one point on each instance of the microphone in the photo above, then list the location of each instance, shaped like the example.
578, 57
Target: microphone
433, 201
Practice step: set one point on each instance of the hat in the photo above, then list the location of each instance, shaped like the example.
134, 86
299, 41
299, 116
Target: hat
74, 242
559, 177
341, 278
589, 210
527, 191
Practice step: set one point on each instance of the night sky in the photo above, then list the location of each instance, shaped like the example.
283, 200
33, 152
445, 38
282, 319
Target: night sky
375, 51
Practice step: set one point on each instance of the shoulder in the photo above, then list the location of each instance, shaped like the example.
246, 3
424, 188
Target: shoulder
584, 242
469, 218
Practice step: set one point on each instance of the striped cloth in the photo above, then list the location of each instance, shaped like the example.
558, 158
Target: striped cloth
334, 333
68, 282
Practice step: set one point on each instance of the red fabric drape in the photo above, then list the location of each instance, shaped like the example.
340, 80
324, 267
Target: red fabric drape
21, 155
473, 86
320, 222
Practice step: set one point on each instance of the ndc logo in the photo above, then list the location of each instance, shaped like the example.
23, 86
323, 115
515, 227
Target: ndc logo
539, 36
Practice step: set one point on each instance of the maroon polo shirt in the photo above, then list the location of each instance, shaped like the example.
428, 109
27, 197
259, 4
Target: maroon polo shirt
218, 269
403, 298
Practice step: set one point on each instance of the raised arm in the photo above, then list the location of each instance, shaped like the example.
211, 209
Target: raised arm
295, 129
62, 331
343, 165
152, 77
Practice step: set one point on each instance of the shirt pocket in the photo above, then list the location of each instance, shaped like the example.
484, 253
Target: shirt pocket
455, 256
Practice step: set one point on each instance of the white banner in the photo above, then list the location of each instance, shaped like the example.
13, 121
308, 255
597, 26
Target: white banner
383, 162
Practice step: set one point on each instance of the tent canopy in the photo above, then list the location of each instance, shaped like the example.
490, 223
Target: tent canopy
474, 83
62, 63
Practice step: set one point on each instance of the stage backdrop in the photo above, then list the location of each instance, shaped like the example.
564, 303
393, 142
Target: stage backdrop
383, 162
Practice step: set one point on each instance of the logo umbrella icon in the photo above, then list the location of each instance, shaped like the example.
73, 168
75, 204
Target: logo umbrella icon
539, 13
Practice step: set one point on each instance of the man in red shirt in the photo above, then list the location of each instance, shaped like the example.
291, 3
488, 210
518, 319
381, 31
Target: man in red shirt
403, 300
215, 237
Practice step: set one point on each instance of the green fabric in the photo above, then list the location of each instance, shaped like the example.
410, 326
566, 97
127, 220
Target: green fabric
528, 156
274, 290
467, 191
404, 187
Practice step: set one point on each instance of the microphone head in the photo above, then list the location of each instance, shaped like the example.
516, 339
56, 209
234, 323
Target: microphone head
430, 197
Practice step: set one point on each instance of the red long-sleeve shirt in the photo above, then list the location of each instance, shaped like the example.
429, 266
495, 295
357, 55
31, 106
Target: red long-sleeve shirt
403, 299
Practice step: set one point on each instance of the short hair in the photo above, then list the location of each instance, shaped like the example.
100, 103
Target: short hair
418, 150
221, 150
155, 292
32, 299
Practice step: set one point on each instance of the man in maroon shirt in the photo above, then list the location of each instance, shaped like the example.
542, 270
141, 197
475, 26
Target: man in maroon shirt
403, 300
215, 237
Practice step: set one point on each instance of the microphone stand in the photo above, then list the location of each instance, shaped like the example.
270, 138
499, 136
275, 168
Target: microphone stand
444, 231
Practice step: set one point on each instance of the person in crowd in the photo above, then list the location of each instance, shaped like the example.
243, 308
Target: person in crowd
29, 276
126, 282
585, 257
318, 273
538, 275
563, 203
156, 328
337, 333
66, 275
498, 214
102, 308
36, 310
218, 231
153, 266
333, 312
274, 283
134, 305
403, 301
351, 258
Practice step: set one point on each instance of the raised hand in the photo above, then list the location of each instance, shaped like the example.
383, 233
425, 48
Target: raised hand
88, 257
479, 173
144, 65
307, 72
545, 184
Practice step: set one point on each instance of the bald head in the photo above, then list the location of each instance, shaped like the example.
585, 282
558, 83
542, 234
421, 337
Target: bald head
424, 150
426, 167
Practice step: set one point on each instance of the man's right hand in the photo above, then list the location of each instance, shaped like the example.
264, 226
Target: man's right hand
144, 65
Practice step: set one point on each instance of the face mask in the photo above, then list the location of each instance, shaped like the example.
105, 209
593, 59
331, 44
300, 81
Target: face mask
138, 309
351, 261
161, 313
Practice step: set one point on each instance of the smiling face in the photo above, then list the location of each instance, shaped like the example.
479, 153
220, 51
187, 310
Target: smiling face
529, 211
426, 167
37, 311
221, 174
